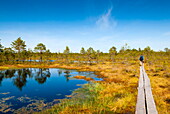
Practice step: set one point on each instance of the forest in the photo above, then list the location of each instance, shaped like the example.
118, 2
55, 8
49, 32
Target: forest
18, 53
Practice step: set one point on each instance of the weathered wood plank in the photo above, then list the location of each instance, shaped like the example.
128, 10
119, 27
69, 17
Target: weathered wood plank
140, 106
151, 107
145, 101
141, 81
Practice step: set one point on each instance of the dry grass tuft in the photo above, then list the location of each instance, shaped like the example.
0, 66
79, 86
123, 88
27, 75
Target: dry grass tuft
117, 92
84, 77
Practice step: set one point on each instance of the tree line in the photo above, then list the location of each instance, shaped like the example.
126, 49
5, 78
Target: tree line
18, 53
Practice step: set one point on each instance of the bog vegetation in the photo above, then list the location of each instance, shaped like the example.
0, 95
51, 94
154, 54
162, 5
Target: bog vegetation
119, 70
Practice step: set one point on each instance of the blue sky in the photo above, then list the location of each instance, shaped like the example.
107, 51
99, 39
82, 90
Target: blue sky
100, 24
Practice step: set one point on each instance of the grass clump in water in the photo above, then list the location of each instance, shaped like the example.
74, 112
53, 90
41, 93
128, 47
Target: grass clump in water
115, 94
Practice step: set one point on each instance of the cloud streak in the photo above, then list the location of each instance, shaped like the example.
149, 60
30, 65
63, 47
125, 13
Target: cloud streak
105, 21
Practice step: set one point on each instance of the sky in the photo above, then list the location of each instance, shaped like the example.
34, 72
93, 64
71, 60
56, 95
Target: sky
100, 24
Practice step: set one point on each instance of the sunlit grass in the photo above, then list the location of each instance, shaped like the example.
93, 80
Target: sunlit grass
159, 73
115, 94
84, 77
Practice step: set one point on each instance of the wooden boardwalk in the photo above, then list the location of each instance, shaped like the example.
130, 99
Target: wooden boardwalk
145, 102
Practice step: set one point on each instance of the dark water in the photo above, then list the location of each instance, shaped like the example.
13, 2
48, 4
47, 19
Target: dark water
35, 89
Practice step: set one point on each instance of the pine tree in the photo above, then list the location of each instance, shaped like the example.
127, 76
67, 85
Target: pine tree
40, 48
82, 51
19, 45
67, 50
112, 52
1, 47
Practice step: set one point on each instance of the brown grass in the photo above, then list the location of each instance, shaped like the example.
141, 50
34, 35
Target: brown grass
115, 94
118, 91
83, 77
158, 73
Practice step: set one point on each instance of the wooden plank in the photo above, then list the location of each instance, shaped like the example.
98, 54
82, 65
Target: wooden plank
140, 106
145, 101
141, 82
151, 107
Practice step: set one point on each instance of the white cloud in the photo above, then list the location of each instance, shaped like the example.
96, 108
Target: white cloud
105, 21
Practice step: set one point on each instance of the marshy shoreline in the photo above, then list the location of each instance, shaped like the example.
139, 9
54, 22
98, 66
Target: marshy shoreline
103, 70
116, 93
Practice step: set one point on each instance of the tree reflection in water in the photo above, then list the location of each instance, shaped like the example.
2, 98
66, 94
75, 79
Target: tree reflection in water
32, 95
59, 72
42, 75
67, 75
20, 76
1, 78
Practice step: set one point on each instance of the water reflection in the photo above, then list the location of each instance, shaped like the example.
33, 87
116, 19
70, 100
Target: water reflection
20, 76
59, 72
67, 75
42, 75
27, 89
1, 78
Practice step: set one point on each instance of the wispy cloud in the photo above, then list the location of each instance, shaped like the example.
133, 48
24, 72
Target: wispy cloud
106, 21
